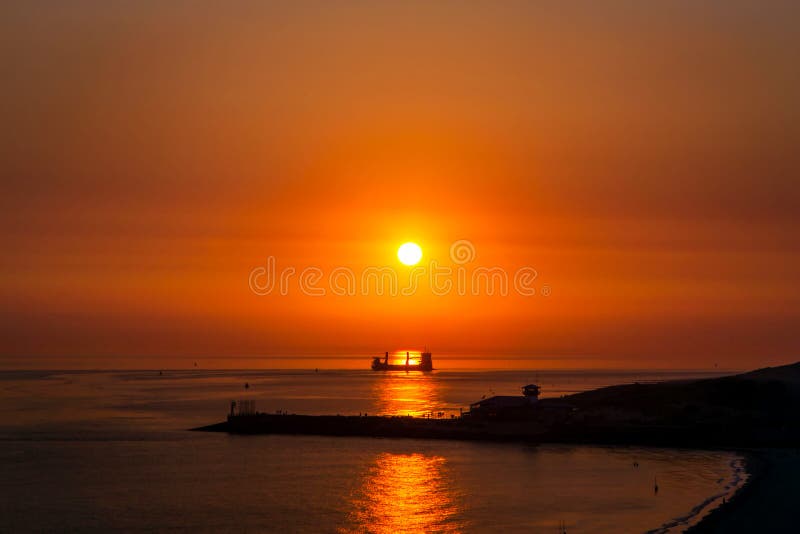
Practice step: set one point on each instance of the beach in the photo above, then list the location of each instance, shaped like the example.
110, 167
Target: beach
768, 500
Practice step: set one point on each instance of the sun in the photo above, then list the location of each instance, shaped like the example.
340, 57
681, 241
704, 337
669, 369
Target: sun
409, 253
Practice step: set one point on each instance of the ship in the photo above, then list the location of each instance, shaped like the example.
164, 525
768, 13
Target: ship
425, 363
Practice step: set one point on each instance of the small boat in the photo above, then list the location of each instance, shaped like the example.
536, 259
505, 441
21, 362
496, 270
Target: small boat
425, 363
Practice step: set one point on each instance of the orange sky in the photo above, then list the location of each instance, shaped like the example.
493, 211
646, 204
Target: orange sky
642, 159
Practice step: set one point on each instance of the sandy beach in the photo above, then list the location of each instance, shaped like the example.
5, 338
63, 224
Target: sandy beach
767, 503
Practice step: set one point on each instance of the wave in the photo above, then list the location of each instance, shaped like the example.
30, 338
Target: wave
736, 482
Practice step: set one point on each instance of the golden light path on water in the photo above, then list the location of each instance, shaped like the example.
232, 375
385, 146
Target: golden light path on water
406, 493
411, 492
407, 393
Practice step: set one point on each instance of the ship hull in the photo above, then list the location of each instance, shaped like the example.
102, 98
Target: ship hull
400, 367
425, 363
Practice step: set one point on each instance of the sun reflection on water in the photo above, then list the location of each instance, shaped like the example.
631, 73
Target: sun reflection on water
406, 493
413, 393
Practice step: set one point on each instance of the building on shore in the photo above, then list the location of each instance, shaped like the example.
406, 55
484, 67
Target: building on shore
520, 407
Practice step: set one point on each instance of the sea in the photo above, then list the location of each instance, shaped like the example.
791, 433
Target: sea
100, 451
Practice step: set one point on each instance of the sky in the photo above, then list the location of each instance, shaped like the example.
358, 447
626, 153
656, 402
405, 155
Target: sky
640, 158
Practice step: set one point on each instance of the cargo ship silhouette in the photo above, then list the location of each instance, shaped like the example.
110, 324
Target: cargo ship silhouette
425, 363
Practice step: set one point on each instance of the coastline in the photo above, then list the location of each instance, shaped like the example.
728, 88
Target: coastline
754, 466
766, 503
741, 476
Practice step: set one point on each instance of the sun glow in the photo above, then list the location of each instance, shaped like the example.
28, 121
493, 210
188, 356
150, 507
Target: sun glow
409, 253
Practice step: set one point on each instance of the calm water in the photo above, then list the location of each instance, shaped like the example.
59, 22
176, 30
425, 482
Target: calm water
108, 450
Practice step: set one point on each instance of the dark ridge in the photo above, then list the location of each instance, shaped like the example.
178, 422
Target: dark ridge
757, 408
